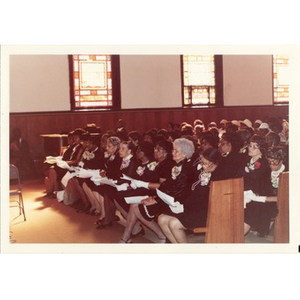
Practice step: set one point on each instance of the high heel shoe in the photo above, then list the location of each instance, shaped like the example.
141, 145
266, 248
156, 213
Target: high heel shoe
99, 221
122, 241
102, 225
141, 232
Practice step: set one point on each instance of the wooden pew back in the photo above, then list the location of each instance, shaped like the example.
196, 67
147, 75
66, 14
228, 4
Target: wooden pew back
281, 229
225, 219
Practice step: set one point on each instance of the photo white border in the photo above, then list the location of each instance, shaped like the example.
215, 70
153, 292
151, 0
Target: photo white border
294, 53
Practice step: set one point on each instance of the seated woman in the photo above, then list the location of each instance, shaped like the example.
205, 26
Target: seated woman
71, 155
174, 185
153, 166
245, 136
258, 215
111, 167
144, 170
256, 168
106, 193
91, 159
87, 185
195, 206
207, 140
231, 163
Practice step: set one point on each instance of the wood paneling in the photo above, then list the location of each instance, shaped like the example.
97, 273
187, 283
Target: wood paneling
35, 124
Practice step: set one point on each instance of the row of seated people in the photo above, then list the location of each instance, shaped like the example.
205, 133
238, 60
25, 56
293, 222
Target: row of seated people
180, 166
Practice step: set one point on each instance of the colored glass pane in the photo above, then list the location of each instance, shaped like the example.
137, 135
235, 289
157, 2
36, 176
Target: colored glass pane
92, 80
199, 79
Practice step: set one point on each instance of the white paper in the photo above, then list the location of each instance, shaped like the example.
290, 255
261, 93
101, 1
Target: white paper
87, 173
63, 164
250, 196
126, 177
135, 199
67, 177
52, 159
165, 197
177, 208
105, 180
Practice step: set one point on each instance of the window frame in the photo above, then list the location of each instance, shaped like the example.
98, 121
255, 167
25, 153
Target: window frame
286, 102
218, 64
116, 91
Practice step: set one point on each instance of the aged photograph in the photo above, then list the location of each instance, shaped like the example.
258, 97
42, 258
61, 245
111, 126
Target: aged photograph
150, 146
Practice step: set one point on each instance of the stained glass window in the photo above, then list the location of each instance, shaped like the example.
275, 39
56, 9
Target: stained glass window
281, 78
92, 81
199, 80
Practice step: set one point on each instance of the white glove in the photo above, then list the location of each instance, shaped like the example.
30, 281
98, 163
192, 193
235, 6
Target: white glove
62, 164
122, 187
250, 196
139, 184
177, 208
96, 180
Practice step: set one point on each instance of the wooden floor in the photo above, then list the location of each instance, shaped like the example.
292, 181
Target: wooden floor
52, 222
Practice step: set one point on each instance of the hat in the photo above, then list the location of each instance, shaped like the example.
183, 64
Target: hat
235, 122
212, 124
258, 122
223, 121
264, 126
247, 122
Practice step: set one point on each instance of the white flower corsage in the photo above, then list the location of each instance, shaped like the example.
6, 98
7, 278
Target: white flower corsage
176, 171
140, 170
88, 155
204, 178
151, 166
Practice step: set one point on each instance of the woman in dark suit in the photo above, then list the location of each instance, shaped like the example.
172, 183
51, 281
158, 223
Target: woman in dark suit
174, 185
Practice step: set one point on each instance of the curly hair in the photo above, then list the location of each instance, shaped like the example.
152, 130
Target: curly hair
186, 146
212, 155
261, 143
234, 139
276, 152
114, 140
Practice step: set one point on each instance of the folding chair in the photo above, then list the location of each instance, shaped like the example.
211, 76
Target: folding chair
225, 218
16, 189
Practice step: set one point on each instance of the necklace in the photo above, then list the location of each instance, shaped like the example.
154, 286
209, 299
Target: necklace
275, 176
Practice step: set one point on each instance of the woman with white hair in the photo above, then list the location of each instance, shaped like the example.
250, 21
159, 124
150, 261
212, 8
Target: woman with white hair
175, 185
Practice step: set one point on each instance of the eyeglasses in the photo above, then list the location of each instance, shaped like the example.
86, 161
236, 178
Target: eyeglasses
205, 164
254, 147
158, 149
223, 143
273, 162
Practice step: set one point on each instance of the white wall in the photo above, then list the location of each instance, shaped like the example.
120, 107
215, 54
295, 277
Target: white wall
150, 81
41, 82
247, 80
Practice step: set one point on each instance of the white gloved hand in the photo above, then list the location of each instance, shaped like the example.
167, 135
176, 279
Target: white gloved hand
139, 184
96, 180
177, 208
122, 187
62, 164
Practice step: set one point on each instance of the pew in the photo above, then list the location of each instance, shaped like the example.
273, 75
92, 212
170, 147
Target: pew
281, 228
225, 218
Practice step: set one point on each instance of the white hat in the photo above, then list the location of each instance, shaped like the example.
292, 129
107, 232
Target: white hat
223, 121
247, 122
212, 124
258, 122
235, 122
264, 126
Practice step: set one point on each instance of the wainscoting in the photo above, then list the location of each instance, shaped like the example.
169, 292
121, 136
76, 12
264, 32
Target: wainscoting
37, 123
